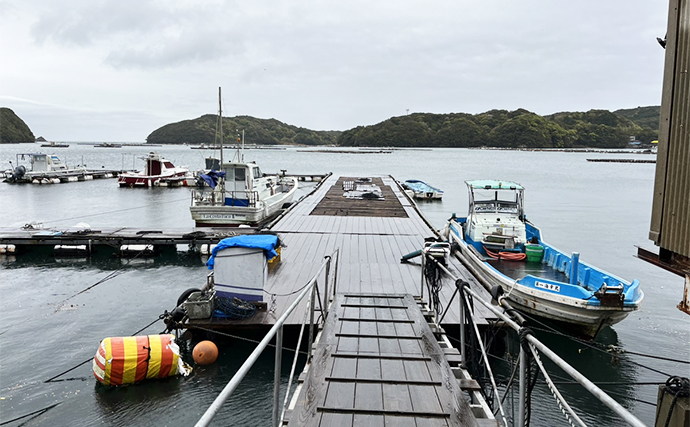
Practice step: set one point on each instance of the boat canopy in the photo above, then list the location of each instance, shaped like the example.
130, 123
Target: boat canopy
491, 184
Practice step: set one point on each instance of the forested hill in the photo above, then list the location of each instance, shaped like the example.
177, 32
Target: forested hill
495, 128
257, 131
509, 129
13, 129
643, 116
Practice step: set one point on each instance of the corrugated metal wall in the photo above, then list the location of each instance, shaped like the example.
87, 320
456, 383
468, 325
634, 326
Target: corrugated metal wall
670, 227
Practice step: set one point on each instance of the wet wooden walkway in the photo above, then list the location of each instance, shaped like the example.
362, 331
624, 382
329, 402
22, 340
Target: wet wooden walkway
371, 235
378, 363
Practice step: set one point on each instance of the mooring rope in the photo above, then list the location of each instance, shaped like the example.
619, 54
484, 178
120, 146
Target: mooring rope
604, 349
91, 358
105, 279
115, 211
225, 334
562, 404
36, 413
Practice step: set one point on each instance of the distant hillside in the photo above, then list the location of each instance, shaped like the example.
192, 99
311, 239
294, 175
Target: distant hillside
13, 129
257, 131
501, 128
643, 116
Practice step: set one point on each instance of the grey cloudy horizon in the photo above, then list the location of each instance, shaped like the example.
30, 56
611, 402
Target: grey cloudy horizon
105, 70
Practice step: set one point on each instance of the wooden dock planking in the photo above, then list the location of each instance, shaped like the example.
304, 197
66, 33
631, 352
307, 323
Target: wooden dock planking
370, 246
370, 249
368, 367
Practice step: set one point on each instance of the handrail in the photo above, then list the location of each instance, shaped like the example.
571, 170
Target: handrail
276, 330
215, 198
574, 373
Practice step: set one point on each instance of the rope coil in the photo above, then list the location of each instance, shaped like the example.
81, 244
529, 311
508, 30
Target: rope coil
507, 256
677, 387
234, 308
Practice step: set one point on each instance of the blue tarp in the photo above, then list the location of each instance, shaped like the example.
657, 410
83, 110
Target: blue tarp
212, 178
267, 242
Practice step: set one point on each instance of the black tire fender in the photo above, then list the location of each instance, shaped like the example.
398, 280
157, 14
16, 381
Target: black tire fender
183, 297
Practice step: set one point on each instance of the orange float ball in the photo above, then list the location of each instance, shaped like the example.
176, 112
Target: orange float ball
205, 353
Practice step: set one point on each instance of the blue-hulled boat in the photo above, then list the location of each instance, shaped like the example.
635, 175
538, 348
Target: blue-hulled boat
422, 190
501, 246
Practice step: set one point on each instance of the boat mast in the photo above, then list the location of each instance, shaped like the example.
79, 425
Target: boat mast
221, 180
220, 126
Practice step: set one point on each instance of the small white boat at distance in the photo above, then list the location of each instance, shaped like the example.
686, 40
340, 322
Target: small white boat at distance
240, 193
158, 172
422, 190
505, 249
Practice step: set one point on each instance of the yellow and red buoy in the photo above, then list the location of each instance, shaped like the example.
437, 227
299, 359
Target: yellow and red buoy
205, 353
126, 360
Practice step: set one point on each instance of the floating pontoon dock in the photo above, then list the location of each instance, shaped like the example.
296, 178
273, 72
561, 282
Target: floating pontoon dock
371, 233
31, 237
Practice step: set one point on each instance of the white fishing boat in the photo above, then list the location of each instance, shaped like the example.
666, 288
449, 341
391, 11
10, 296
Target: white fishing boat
239, 192
422, 190
504, 249
41, 169
158, 172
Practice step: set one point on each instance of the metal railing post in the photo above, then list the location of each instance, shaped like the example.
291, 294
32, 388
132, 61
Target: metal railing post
276, 375
311, 319
277, 332
463, 355
522, 387
335, 270
324, 308
421, 292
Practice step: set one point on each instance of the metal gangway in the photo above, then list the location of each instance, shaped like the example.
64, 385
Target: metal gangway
319, 300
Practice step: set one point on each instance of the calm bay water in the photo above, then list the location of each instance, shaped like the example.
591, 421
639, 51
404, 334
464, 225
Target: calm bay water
601, 210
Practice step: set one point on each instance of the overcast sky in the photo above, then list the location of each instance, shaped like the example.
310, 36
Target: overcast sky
116, 70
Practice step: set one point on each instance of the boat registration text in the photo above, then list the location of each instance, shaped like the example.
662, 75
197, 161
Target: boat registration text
547, 286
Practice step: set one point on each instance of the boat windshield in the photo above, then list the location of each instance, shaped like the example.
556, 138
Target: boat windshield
495, 207
505, 201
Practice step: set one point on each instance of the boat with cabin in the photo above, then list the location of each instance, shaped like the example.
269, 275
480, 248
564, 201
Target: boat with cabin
505, 249
158, 172
43, 169
239, 193
422, 190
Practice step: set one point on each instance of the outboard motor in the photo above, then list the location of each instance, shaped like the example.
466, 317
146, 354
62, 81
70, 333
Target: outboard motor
17, 174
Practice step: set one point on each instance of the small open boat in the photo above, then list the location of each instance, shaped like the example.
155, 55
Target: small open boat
497, 241
422, 190
158, 172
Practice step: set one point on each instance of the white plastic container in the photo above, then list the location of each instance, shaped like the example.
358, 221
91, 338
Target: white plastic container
240, 272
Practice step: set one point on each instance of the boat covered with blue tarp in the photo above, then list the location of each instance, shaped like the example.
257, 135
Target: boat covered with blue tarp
422, 190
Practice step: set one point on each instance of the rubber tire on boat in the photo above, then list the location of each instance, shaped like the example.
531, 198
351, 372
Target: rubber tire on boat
183, 297
178, 314
286, 205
